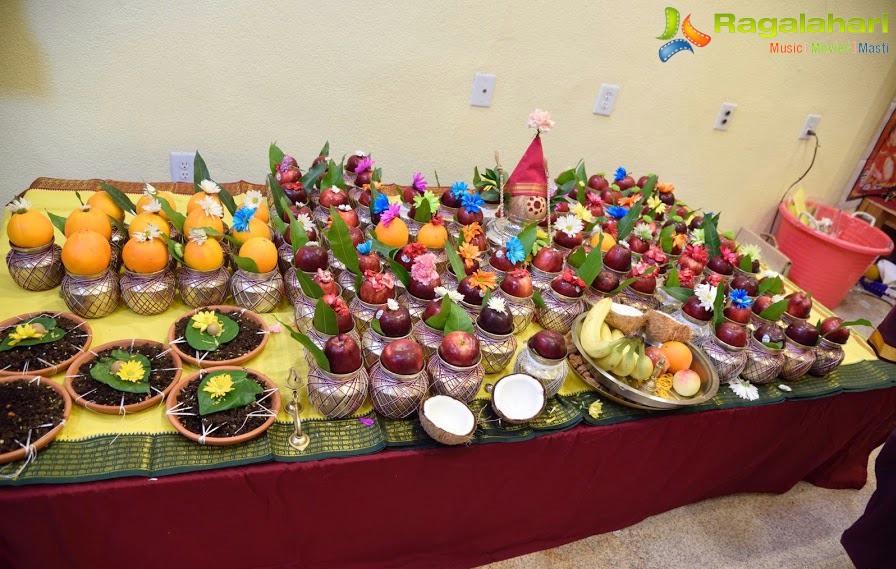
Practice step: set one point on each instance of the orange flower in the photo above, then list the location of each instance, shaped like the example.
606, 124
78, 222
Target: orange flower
484, 280
469, 253
680, 239
471, 231
665, 187
628, 201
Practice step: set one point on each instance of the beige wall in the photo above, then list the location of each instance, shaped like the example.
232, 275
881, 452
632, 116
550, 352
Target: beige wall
97, 89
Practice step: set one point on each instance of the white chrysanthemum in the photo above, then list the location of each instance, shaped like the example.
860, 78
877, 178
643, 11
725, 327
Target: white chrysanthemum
778, 298
455, 296
254, 198
706, 293
18, 205
570, 225
392, 304
151, 232
497, 304
154, 206
642, 231
305, 220
752, 250
209, 187
150, 190
770, 274
211, 206
344, 207
698, 237
744, 389
335, 189
198, 236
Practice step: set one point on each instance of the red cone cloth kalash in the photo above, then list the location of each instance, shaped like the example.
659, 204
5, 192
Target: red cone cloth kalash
528, 185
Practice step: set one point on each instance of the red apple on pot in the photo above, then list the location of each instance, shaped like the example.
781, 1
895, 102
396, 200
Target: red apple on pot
802, 332
466, 217
370, 262
326, 282
518, 283
569, 242
332, 197
395, 323
833, 330
761, 304
746, 283
694, 309
294, 192
363, 178
732, 334
377, 288
605, 281
739, 315
495, 321
548, 344
548, 259
618, 258
500, 261
310, 258
423, 291
404, 357
472, 295
799, 304
352, 162
343, 353
598, 183
343, 317
460, 349
720, 265
637, 245
769, 332
433, 307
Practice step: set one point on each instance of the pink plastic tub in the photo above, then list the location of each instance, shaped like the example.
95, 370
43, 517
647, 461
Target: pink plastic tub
829, 265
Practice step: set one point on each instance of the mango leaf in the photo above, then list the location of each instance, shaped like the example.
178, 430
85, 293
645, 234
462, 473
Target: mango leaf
627, 223
746, 264
581, 182
245, 263
177, 218
672, 277
205, 342
122, 228
53, 333
772, 286
102, 372
711, 234
593, 264
325, 151
341, 242
666, 238
377, 176
333, 177
279, 196
539, 300
310, 288
457, 265
58, 221
243, 393
527, 237
775, 311
200, 172
458, 319
375, 324
718, 307
399, 271
859, 322
325, 320
647, 191
280, 226
439, 319
423, 213
622, 286
312, 176
318, 354
577, 257
679, 292
120, 198
298, 237
176, 249
275, 157
382, 248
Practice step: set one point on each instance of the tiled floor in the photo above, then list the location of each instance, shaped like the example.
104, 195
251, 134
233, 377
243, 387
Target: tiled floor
799, 529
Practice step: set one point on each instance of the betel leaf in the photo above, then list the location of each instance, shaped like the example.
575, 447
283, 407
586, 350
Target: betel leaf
622, 286
310, 288
527, 237
58, 221
245, 263
341, 242
458, 319
102, 372
577, 257
53, 333
679, 292
399, 271
439, 319
593, 264
538, 299
746, 264
718, 306
318, 354
325, 319
279, 196
423, 213
120, 198
177, 218
275, 156
244, 391
775, 311
627, 223
205, 342
711, 234
457, 265
772, 285
672, 277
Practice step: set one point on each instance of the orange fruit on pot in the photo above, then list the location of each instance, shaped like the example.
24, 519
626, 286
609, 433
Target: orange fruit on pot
142, 220
153, 194
257, 228
27, 228
394, 235
103, 202
606, 244
142, 255
678, 355
204, 256
254, 198
193, 203
86, 253
262, 251
86, 217
433, 235
198, 218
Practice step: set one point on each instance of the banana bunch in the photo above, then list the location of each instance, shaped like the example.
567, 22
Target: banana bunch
610, 348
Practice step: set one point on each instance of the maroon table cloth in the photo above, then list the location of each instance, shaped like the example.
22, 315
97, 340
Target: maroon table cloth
444, 507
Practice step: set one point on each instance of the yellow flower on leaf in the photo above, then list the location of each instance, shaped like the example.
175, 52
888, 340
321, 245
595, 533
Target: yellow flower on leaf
207, 318
219, 385
26, 331
131, 370
583, 213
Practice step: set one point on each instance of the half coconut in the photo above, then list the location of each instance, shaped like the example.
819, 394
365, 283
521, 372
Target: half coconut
625, 318
518, 398
447, 420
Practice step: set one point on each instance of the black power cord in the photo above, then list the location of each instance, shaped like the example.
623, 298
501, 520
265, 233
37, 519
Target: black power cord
798, 180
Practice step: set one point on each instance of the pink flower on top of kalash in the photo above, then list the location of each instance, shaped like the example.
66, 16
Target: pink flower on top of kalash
729, 255
715, 279
419, 183
594, 198
643, 268
424, 269
392, 212
656, 254
364, 165
697, 253
686, 278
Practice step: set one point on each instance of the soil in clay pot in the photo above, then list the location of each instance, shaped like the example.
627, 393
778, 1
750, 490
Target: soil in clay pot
42, 356
229, 423
161, 375
27, 405
248, 339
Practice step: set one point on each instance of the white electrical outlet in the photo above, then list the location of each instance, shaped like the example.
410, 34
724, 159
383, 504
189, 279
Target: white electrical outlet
483, 88
182, 166
723, 120
810, 124
606, 99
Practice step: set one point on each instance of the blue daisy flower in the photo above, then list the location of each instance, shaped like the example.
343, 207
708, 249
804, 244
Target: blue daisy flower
380, 204
616, 211
364, 248
515, 251
472, 202
241, 218
620, 173
459, 189
740, 298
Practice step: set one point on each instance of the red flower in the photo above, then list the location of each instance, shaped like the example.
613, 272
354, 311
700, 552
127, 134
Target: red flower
697, 253
729, 255
337, 304
568, 276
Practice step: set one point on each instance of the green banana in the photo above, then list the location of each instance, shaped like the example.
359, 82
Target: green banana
625, 367
614, 357
644, 367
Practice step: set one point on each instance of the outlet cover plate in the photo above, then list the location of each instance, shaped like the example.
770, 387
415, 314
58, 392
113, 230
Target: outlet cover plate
723, 119
182, 166
483, 88
810, 124
606, 99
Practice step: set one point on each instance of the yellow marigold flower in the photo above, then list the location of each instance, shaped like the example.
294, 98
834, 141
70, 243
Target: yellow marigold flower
219, 386
583, 213
204, 319
131, 370
25, 332
469, 253
484, 280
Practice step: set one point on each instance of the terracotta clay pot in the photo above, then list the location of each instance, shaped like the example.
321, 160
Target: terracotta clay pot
87, 359
61, 366
226, 310
43, 441
171, 401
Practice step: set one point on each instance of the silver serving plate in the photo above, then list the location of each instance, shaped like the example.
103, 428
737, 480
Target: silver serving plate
709, 379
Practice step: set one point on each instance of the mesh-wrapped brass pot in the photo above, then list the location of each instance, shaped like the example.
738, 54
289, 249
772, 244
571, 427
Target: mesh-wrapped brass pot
428, 337
372, 344
394, 395
291, 285
666, 302
701, 329
541, 279
635, 299
337, 395
258, 292
346, 280
36, 268
798, 360
828, 357
559, 312
203, 288
497, 349
462, 383
91, 296
148, 293
284, 256
728, 360
763, 364
320, 339
522, 309
551, 373
363, 313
